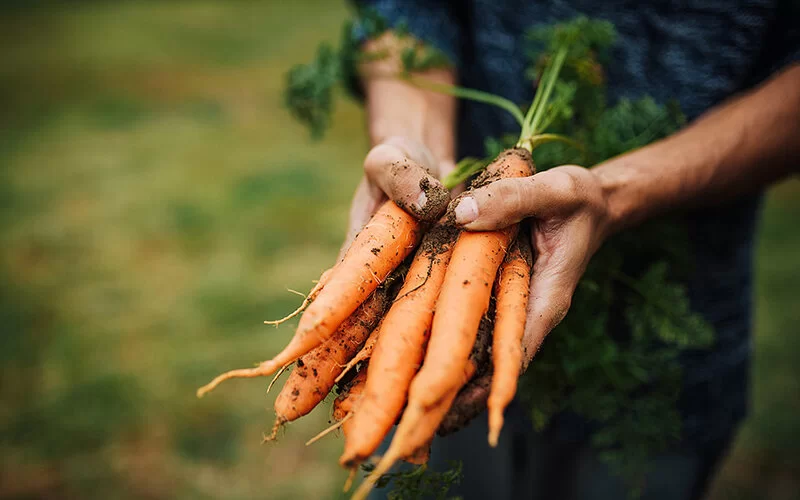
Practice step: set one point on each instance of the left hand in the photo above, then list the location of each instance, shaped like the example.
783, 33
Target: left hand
570, 218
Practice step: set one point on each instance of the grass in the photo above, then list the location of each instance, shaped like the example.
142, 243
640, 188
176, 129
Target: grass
156, 201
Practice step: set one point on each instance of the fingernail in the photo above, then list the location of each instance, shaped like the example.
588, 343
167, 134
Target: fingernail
422, 199
466, 210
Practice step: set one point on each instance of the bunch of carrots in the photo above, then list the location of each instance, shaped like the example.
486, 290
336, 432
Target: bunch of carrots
421, 342
410, 313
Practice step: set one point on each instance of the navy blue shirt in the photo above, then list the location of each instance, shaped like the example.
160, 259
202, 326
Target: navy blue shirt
699, 52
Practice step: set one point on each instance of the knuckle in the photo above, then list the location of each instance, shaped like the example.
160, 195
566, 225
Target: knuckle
565, 184
505, 199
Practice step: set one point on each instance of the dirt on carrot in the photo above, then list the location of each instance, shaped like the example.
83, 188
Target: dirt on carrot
315, 373
471, 399
400, 346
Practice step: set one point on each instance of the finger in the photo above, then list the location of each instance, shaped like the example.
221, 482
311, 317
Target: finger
469, 403
507, 201
558, 266
406, 181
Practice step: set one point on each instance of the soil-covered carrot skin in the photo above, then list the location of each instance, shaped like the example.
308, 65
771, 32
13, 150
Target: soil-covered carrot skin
363, 354
400, 346
346, 402
315, 373
512, 288
389, 237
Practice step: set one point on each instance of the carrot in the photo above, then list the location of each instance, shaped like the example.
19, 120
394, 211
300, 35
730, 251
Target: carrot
379, 248
418, 424
315, 373
364, 354
400, 346
421, 455
466, 291
513, 285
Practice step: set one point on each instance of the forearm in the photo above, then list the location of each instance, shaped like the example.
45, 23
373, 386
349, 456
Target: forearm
397, 108
737, 148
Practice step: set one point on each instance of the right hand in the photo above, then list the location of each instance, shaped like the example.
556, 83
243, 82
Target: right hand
397, 169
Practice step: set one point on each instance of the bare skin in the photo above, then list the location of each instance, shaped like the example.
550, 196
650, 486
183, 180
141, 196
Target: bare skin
739, 147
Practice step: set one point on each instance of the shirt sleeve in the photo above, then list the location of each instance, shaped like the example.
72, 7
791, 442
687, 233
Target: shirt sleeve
437, 23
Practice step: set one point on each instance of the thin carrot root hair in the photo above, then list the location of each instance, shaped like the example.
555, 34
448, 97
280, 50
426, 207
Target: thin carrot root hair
362, 355
262, 370
277, 375
279, 422
306, 301
330, 429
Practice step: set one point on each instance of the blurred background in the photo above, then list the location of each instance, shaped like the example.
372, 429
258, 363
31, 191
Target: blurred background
156, 202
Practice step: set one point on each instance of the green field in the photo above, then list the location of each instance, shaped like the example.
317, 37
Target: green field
156, 203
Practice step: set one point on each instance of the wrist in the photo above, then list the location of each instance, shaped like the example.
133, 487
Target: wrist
624, 189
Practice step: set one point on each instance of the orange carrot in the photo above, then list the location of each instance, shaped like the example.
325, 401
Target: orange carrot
315, 373
400, 346
513, 284
379, 248
419, 424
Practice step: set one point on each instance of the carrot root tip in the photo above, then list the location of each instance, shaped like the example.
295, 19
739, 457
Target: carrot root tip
329, 429
279, 422
260, 371
495, 425
349, 482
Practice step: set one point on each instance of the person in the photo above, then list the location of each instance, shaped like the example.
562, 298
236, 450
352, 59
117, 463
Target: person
733, 67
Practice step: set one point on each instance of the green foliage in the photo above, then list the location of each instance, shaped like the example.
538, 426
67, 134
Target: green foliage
614, 358
309, 90
631, 124
581, 37
586, 43
419, 483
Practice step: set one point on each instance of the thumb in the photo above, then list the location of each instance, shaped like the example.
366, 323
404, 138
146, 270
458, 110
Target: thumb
507, 201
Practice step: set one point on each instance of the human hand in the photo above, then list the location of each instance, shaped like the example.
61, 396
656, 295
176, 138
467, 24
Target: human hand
569, 219
405, 171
